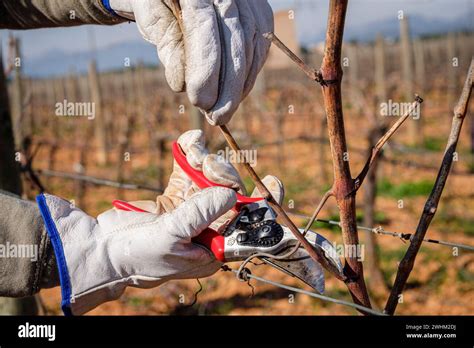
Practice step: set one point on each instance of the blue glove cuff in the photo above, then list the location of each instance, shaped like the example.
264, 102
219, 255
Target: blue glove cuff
59, 252
106, 4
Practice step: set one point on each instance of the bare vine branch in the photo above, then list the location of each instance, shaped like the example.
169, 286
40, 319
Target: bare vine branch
317, 210
330, 77
382, 141
331, 71
313, 74
315, 253
431, 205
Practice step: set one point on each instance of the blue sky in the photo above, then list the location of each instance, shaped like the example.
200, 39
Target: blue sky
310, 14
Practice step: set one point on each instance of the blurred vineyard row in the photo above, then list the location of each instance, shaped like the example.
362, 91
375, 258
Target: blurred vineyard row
137, 117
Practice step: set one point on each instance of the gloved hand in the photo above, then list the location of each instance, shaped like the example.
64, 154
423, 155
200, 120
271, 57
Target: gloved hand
215, 168
218, 55
180, 187
98, 258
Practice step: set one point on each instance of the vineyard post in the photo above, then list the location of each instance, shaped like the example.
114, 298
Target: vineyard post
73, 93
59, 96
451, 68
279, 132
376, 280
378, 127
20, 128
322, 124
380, 69
414, 128
352, 51
126, 124
420, 66
100, 126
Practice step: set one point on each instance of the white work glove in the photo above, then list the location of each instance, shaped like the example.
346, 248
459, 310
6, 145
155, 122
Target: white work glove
218, 55
215, 168
98, 258
180, 187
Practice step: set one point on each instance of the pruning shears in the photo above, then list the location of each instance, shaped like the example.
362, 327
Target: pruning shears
254, 230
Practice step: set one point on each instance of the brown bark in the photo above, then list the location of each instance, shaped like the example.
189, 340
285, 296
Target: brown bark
431, 205
343, 186
315, 253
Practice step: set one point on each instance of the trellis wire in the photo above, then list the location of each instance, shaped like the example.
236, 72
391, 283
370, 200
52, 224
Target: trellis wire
128, 186
104, 182
96, 181
377, 230
309, 293
380, 231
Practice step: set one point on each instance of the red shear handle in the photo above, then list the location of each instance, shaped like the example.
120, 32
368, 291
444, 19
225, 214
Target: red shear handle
207, 238
201, 181
213, 241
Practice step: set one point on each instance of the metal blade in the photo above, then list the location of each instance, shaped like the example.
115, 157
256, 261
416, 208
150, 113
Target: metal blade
301, 266
318, 241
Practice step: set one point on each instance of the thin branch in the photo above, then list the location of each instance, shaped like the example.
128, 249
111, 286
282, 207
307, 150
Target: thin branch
379, 230
315, 253
355, 281
431, 205
382, 141
317, 210
313, 74
176, 9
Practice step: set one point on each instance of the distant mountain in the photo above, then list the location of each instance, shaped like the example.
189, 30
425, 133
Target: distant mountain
419, 26
390, 28
58, 62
